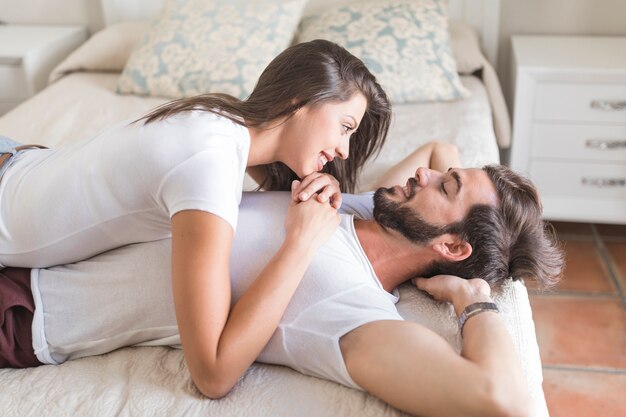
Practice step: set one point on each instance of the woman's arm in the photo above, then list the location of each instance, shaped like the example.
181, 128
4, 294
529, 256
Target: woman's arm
219, 345
416, 370
436, 155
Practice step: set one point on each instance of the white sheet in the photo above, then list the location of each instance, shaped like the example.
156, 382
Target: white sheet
155, 381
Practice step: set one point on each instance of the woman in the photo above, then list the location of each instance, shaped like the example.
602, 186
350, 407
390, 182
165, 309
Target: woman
179, 171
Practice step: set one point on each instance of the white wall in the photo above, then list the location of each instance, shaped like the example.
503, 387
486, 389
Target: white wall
54, 12
571, 17
563, 17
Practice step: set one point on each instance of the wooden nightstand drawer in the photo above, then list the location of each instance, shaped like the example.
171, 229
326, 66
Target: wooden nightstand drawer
582, 142
576, 180
13, 83
581, 102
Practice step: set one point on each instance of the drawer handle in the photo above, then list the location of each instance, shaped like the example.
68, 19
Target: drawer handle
603, 144
604, 182
608, 105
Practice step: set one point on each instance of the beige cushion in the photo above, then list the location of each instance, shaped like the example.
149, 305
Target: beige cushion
465, 47
107, 50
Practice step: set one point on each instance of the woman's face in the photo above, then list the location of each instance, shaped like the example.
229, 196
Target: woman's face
315, 135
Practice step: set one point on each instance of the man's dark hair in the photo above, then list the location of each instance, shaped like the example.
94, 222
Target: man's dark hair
510, 240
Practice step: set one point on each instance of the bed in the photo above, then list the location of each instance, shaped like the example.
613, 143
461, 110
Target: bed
81, 100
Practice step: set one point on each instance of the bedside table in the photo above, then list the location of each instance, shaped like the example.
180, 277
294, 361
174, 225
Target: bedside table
27, 56
569, 117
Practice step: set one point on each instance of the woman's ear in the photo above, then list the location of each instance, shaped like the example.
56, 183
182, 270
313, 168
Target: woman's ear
451, 247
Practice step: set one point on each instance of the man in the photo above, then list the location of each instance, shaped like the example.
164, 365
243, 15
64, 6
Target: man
342, 324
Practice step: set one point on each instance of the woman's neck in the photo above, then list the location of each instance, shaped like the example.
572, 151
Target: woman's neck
264, 145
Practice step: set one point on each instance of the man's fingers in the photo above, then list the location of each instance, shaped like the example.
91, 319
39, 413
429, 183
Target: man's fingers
420, 283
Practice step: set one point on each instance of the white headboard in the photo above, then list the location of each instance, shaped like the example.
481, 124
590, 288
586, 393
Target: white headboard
484, 15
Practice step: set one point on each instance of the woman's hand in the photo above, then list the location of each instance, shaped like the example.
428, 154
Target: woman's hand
310, 222
458, 291
325, 185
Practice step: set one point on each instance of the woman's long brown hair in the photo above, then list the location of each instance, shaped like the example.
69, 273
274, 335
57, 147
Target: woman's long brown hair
310, 73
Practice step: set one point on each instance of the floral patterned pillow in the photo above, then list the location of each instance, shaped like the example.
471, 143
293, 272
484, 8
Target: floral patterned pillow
405, 43
202, 46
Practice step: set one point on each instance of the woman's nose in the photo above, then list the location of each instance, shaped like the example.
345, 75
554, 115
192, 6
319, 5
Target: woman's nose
343, 150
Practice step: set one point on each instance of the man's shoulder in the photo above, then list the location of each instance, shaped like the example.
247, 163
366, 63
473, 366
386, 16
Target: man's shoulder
359, 205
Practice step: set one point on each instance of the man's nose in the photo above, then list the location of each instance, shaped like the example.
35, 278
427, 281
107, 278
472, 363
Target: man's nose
425, 175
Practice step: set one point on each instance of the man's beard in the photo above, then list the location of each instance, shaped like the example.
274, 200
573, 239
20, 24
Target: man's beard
410, 224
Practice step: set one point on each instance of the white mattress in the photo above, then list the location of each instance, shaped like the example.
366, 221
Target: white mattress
155, 381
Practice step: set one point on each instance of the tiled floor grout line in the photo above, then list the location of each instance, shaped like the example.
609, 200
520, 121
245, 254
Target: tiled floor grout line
604, 255
613, 371
575, 293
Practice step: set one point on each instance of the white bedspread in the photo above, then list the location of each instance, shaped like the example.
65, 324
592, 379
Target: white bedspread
155, 381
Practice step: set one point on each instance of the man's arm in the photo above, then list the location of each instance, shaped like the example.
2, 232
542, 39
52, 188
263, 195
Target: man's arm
435, 155
412, 368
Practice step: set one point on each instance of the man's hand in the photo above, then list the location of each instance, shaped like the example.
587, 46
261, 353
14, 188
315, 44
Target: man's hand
458, 291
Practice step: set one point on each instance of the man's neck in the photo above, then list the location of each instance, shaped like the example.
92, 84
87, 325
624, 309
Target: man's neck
394, 259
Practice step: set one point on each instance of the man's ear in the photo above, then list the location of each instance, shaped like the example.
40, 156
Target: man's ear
451, 247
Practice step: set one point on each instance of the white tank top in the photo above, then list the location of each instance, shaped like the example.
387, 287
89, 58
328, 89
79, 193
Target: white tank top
123, 297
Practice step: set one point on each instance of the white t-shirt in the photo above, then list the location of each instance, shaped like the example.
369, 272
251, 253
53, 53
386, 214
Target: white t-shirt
64, 205
123, 297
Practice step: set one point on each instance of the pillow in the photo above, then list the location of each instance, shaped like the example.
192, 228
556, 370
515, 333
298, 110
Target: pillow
404, 43
107, 50
110, 48
466, 49
201, 46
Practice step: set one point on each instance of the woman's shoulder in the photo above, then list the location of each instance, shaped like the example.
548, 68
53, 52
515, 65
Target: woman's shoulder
195, 134
203, 121
195, 131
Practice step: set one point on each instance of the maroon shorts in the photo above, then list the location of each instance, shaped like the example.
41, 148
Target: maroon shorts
16, 319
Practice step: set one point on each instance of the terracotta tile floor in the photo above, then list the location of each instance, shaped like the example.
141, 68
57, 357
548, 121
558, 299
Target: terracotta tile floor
581, 324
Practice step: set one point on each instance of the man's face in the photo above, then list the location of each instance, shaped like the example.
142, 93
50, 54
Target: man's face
432, 200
